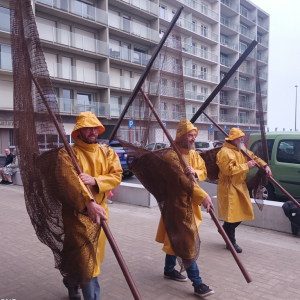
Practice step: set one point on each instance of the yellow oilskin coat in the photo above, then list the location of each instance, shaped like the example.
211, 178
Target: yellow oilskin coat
103, 164
234, 204
194, 160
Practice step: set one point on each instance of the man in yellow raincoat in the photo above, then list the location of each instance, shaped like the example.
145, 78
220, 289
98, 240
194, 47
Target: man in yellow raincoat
102, 171
185, 140
234, 204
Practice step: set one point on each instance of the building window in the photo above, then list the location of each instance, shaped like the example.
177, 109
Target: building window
204, 8
5, 19
86, 101
162, 11
5, 57
161, 33
203, 30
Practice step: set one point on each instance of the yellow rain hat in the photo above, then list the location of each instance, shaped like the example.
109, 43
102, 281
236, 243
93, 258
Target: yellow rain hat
234, 133
86, 119
183, 127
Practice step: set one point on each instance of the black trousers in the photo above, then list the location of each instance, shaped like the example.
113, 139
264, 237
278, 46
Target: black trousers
230, 230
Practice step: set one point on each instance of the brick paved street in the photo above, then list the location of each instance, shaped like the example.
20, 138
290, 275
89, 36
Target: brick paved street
27, 271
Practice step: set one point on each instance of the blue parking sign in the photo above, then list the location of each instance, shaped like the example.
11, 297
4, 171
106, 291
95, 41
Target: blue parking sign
165, 124
211, 129
249, 127
130, 123
268, 129
225, 127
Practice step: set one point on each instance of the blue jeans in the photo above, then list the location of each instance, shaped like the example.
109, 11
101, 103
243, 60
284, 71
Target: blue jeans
192, 272
91, 291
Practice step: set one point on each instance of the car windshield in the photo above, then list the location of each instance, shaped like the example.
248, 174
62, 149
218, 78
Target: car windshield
201, 145
150, 147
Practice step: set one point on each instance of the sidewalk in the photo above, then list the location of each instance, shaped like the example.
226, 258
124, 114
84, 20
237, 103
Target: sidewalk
27, 266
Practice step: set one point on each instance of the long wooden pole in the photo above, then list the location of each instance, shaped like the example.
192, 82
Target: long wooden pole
257, 165
184, 164
146, 71
105, 227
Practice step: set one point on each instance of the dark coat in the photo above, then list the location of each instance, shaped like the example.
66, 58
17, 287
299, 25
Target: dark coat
293, 213
9, 159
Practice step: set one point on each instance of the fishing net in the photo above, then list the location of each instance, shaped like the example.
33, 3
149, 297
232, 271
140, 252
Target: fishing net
53, 194
158, 167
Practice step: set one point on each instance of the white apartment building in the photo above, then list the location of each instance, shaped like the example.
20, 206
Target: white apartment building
96, 51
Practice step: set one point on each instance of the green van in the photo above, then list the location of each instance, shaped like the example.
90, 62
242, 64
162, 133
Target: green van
284, 155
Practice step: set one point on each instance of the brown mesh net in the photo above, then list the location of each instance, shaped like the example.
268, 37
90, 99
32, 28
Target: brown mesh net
53, 194
159, 168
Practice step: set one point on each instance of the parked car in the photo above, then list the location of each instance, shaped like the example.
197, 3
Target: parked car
284, 155
122, 156
204, 145
156, 146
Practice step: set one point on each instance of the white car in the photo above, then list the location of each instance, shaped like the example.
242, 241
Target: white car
157, 146
204, 145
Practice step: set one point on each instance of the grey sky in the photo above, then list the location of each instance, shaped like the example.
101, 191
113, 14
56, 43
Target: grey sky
284, 62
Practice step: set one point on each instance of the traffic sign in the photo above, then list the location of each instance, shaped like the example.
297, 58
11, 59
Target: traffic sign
211, 129
249, 127
225, 127
130, 123
165, 123
268, 129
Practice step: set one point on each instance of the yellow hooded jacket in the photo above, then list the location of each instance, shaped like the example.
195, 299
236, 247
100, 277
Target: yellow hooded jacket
101, 162
194, 160
234, 204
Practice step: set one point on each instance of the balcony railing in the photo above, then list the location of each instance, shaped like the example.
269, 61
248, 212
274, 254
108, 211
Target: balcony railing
227, 118
5, 61
265, 107
262, 58
242, 49
199, 52
78, 8
245, 120
195, 96
229, 24
247, 104
247, 32
71, 39
262, 24
71, 73
262, 41
263, 75
200, 75
225, 61
201, 8
247, 70
228, 101
232, 82
168, 16
74, 107
231, 5
246, 87
123, 82
258, 121
264, 92
144, 5
203, 118
246, 13
4, 19
132, 27
224, 41
129, 55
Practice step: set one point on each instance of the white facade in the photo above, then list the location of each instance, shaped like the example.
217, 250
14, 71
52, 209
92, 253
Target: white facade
96, 51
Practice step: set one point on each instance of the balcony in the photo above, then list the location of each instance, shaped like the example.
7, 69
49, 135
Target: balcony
258, 121
76, 74
128, 55
78, 8
199, 52
228, 101
232, 82
123, 83
265, 107
228, 43
73, 107
200, 75
198, 96
169, 91
247, 33
245, 120
71, 40
231, 5
262, 24
229, 24
262, 41
246, 86
202, 31
262, 58
246, 13
242, 49
225, 118
247, 104
201, 8
264, 92
132, 112
5, 61
133, 28
247, 70
263, 75
203, 118
145, 5
225, 61
4, 19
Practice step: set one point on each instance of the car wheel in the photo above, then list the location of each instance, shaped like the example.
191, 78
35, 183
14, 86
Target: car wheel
128, 174
268, 192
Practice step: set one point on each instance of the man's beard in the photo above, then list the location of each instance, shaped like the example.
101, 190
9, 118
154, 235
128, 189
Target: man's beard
241, 146
185, 144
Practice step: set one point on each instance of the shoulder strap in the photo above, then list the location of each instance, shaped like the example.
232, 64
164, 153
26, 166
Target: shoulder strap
104, 149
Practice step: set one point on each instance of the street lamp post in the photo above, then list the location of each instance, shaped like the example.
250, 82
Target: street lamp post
296, 109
